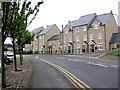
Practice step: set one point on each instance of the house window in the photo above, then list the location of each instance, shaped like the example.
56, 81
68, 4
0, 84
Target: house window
70, 39
100, 47
40, 37
64, 39
59, 42
77, 38
77, 30
100, 35
91, 37
84, 28
43, 42
95, 26
84, 37
66, 32
77, 49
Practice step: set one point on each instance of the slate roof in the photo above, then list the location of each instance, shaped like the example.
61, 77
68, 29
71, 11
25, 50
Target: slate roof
87, 19
104, 18
54, 37
37, 30
46, 30
83, 20
115, 38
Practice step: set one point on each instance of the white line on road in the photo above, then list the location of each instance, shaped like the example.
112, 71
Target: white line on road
96, 64
59, 58
36, 57
102, 65
89, 62
113, 65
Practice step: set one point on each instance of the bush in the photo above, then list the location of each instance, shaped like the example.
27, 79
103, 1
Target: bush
115, 53
28, 52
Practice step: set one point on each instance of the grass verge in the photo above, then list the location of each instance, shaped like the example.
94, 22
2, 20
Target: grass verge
115, 53
18, 58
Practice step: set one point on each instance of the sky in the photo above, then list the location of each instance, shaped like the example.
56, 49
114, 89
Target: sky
59, 12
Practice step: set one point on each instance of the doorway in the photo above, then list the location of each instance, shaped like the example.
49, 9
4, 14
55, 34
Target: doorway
69, 49
92, 48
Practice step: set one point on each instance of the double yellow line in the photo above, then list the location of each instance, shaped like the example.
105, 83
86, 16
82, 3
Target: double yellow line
74, 80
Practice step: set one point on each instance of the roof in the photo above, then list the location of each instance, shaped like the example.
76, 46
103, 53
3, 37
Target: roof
37, 30
104, 18
86, 19
54, 37
115, 38
83, 20
46, 30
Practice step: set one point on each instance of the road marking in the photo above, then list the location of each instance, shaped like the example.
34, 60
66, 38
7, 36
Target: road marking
76, 60
36, 57
98, 64
89, 62
69, 59
113, 65
59, 58
74, 80
101, 65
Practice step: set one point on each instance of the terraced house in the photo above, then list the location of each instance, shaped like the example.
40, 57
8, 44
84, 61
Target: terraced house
46, 34
34, 44
54, 44
90, 33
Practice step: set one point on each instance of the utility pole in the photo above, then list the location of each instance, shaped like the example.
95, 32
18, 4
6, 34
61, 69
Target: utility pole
62, 41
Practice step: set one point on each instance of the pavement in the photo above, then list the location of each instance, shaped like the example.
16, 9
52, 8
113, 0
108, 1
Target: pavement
20, 78
46, 76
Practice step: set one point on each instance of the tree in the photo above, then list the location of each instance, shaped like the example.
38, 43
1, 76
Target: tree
13, 16
24, 38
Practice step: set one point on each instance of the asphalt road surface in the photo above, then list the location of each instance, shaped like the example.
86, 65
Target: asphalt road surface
93, 72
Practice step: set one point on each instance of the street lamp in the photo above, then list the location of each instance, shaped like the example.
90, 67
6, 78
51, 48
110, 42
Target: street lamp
62, 41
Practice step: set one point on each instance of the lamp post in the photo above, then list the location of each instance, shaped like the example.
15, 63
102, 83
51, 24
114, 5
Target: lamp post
62, 41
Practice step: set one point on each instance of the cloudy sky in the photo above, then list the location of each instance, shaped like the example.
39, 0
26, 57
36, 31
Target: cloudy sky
59, 12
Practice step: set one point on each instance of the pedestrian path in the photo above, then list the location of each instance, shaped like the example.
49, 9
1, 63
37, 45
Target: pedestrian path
46, 76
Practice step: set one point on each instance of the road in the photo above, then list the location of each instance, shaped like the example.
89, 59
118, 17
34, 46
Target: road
93, 72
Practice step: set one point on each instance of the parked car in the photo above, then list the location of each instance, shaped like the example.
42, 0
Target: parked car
7, 60
10, 56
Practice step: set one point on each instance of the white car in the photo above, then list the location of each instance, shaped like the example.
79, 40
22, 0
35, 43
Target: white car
10, 56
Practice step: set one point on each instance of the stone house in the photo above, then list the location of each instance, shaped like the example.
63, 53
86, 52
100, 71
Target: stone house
90, 33
34, 44
54, 44
46, 34
115, 41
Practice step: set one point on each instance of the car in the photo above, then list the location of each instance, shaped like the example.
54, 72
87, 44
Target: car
10, 56
7, 60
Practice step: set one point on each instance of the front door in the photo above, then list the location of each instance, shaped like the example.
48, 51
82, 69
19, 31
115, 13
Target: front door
92, 48
69, 49
83, 48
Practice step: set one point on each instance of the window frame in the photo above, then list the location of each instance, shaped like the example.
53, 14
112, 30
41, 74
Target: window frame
99, 46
